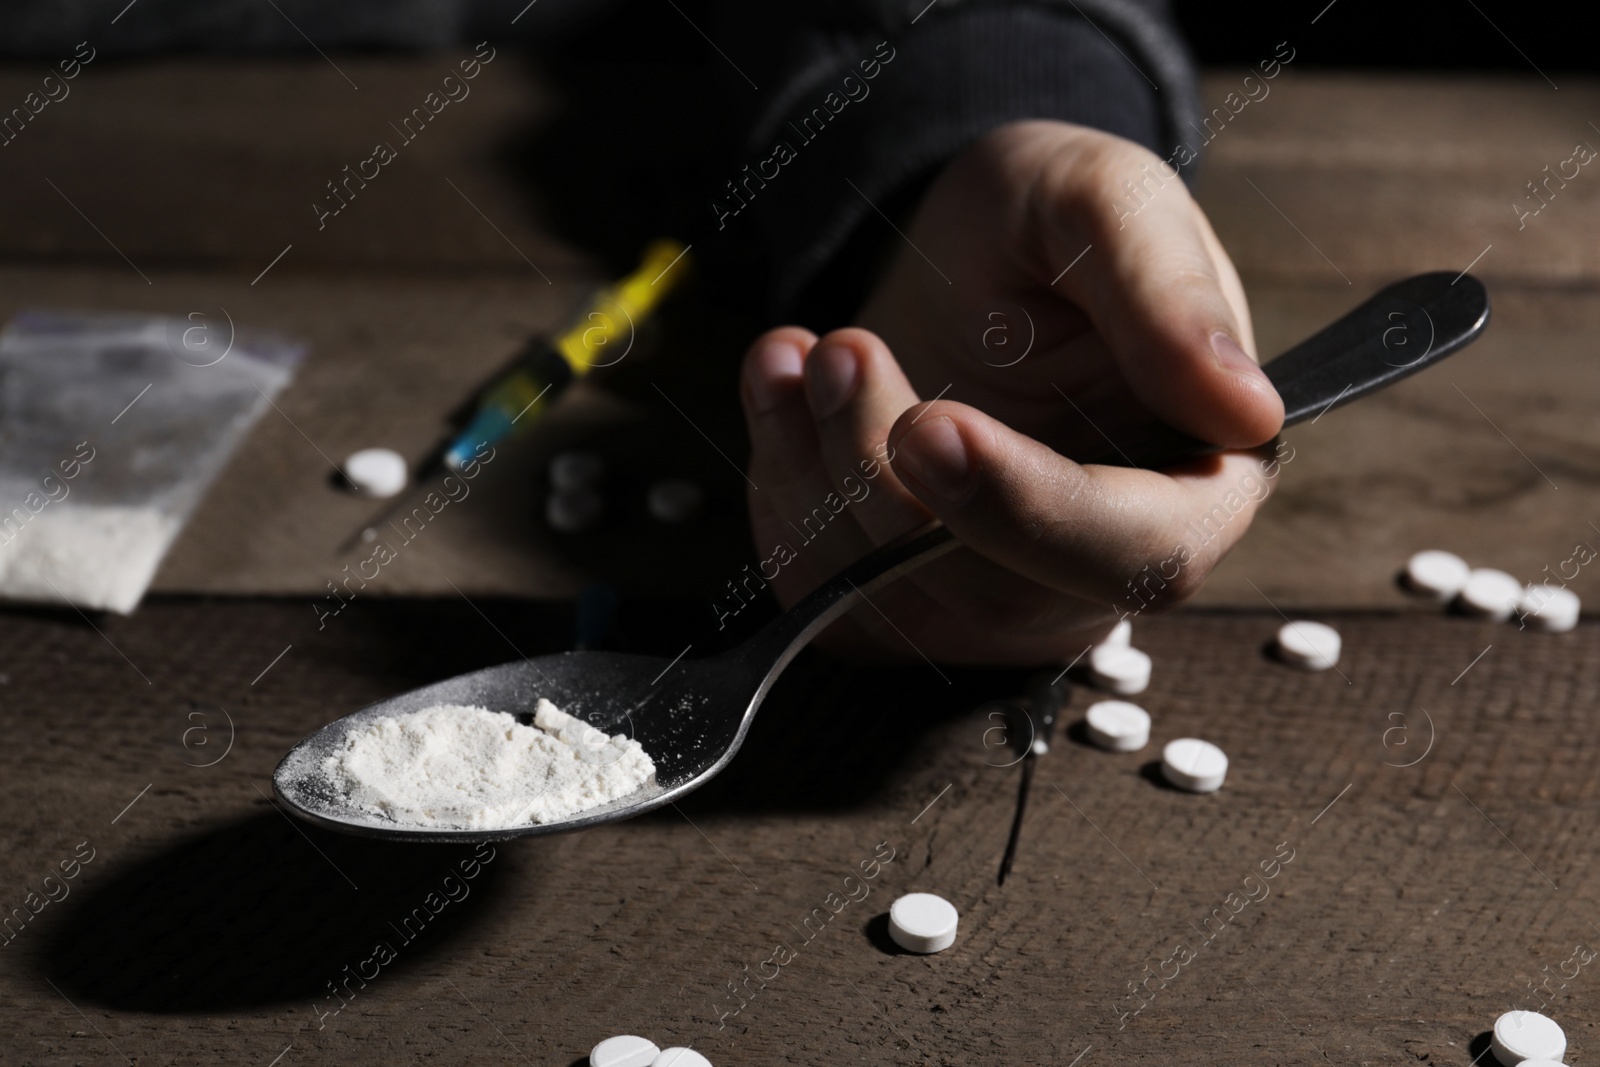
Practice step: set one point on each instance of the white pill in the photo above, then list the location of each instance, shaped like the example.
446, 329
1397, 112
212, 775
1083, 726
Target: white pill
1490, 593
680, 1057
573, 510
624, 1051
675, 500
1192, 764
1121, 636
922, 922
1118, 726
1437, 574
1543, 1063
378, 472
1121, 670
576, 470
1311, 645
1520, 1036
1551, 608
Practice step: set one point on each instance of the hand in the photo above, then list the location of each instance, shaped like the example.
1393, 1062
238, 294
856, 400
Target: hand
1149, 324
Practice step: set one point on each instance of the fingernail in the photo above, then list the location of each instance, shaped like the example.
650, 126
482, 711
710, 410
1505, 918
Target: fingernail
1231, 357
831, 375
773, 369
933, 453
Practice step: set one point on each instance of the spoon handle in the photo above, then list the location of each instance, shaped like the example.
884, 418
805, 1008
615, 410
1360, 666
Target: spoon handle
1404, 328
782, 639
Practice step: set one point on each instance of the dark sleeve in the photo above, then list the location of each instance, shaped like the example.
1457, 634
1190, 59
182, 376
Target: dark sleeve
864, 115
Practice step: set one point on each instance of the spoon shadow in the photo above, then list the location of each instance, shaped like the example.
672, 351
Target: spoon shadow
248, 914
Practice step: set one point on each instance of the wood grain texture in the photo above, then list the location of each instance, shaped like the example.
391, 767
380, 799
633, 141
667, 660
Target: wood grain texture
1371, 177
219, 161
1418, 903
1492, 454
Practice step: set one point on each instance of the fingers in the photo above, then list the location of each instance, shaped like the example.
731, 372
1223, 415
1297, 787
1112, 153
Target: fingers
783, 445
856, 390
1153, 287
1232, 288
1099, 533
795, 508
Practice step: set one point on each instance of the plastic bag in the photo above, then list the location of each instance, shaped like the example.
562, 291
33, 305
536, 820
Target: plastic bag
111, 429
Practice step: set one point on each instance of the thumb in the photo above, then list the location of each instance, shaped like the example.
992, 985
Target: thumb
1081, 530
1156, 289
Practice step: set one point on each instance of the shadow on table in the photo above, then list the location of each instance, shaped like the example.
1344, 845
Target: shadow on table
877, 934
259, 912
832, 736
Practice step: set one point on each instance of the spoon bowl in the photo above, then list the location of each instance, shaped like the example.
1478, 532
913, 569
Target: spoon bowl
655, 702
689, 716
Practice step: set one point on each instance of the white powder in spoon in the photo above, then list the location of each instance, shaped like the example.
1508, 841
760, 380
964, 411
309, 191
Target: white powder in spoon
453, 766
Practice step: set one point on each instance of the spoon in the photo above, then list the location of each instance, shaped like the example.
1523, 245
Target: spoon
691, 716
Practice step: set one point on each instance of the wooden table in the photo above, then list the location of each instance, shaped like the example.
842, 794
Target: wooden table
1401, 845
1435, 793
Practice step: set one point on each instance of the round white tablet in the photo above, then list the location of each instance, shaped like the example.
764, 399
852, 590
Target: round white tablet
1490, 593
1437, 574
922, 922
1121, 670
378, 472
576, 469
1118, 726
680, 1057
624, 1051
1312, 645
1543, 1063
1192, 764
573, 510
1526, 1035
1551, 608
675, 500
1121, 636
